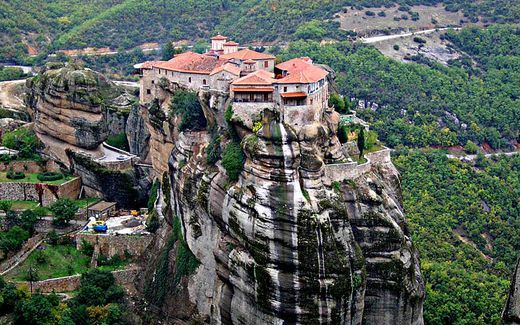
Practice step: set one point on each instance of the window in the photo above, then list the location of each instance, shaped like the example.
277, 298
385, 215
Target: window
266, 97
148, 91
203, 81
189, 79
266, 64
284, 89
153, 81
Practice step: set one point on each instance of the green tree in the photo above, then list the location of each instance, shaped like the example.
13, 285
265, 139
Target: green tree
186, 104
5, 205
28, 219
233, 160
471, 147
335, 100
310, 30
64, 211
168, 51
34, 311
361, 142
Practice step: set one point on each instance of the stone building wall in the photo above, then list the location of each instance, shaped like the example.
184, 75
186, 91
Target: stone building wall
351, 170
71, 283
28, 192
111, 245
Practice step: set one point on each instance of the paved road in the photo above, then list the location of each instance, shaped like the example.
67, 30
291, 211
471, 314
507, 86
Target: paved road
473, 157
376, 39
133, 84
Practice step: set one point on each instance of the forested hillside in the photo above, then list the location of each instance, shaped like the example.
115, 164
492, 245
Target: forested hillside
465, 222
432, 105
65, 24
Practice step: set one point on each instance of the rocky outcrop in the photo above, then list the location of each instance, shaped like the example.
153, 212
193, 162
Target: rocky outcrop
511, 314
73, 108
279, 245
137, 134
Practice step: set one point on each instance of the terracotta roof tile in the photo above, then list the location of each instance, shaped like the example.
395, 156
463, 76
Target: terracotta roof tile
298, 94
231, 43
247, 54
301, 70
254, 89
257, 78
229, 67
190, 62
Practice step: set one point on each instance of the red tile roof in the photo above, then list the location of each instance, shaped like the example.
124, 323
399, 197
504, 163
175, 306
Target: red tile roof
231, 43
257, 78
299, 94
301, 70
229, 67
219, 38
247, 54
190, 62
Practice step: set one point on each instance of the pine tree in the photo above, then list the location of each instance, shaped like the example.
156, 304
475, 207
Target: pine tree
361, 142
168, 51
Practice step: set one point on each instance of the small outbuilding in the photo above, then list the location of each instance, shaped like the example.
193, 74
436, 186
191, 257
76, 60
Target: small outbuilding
101, 210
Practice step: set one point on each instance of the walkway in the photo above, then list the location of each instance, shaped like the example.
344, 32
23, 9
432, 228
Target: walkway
375, 39
473, 157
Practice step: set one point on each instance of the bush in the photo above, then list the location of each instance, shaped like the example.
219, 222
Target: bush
337, 101
419, 40
213, 150
63, 210
119, 141
86, 248
370, 13
49, 176
396, 47
186, 104
381, 14
233, 160
15, 175
471, 147
343, 133
152, 224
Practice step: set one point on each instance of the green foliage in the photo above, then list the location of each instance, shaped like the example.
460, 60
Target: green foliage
153, 195
5, 205
312, 29
233, 160
471, 147
413, 97
36, 310
12, 240
87, 248
186, 104
361, 142
343, 133
49, 176
11, 174
445, 198
152, 223
168, 51
9, 296
63, 210
9, 73
213, 150
21, 139
119, 141
335, 100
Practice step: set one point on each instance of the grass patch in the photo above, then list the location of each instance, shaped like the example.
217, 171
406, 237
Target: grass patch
33, 178
83, 203
119, 141
57, 261
24, 205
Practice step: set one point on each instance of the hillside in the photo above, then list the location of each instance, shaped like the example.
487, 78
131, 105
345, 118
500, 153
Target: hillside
36, 26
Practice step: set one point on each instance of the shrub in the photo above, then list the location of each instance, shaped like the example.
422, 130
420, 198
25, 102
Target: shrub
152, 224
337, 101
63, 210
471, 147
186, 104
213, 150
11, 174
396, 47
49, 176
119, 141
233, 160
86, 248
419, 40
343, 133
370, 13
381, 14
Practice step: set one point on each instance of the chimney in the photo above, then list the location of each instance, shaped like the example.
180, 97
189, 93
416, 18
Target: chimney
217, 43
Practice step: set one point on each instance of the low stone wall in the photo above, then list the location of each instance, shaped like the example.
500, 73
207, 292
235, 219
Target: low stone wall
351, 170
29, 166
71, 283
111, 245
27, 247
29, 191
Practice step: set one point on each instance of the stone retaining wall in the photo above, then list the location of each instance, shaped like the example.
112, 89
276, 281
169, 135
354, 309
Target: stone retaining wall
351, 170
29, 166
71, 283
111, 245
20, 255
28, 191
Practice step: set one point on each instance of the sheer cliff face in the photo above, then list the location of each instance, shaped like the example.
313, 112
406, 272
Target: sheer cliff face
511, 314
279, 244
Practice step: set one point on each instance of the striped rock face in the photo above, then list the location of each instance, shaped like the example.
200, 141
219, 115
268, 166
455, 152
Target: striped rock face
284, 244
